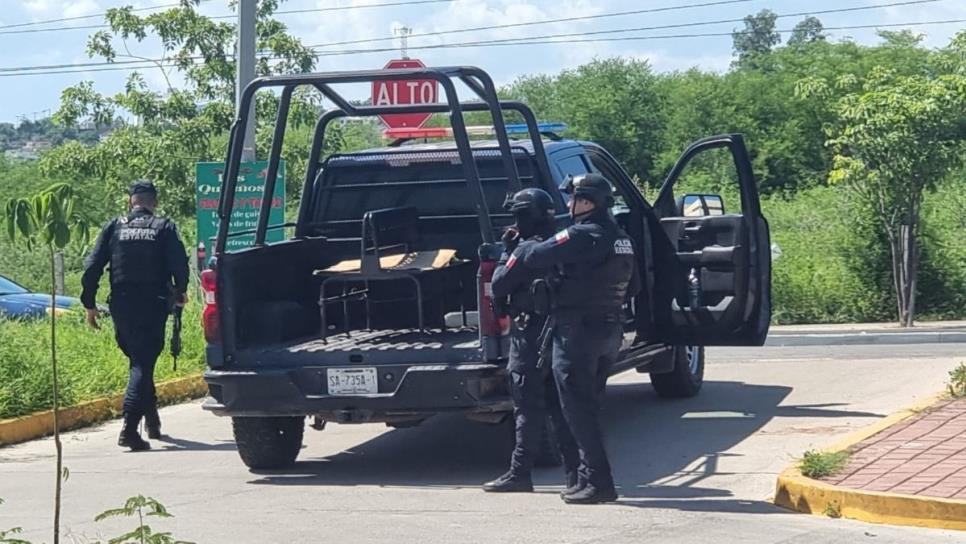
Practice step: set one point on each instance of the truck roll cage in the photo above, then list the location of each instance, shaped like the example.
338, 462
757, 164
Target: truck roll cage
474, 78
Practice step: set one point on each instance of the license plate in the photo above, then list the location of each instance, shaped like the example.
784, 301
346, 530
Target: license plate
352, 381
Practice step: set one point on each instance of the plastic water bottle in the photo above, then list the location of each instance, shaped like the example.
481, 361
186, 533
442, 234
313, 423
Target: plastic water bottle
694, 289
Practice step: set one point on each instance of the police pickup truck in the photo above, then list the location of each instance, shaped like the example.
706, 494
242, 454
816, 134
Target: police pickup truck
378, 308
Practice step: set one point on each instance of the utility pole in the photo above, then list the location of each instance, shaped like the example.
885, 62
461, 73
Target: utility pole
246, 70
403, 32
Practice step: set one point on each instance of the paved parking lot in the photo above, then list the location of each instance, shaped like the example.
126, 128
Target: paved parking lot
696, 470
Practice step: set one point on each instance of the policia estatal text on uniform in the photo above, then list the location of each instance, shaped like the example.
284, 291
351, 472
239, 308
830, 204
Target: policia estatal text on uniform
148, 266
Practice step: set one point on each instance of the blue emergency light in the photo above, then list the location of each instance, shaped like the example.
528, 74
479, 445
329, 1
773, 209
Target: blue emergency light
541, 128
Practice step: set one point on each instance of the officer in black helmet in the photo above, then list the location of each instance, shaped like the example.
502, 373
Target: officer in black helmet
147, 262
596, 274
533, 391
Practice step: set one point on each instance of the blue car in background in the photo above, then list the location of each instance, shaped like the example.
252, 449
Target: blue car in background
18, 302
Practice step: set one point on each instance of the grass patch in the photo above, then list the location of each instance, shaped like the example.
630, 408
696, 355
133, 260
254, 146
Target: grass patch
957, 381
833, 510
819, 464
91, 364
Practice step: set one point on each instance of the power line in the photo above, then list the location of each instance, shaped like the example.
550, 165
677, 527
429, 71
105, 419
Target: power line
81, 17
635, 29
528, 39
500, 43
537, 40
280, 12
551, 21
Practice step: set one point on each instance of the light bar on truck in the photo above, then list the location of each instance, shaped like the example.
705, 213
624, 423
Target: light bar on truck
480, 130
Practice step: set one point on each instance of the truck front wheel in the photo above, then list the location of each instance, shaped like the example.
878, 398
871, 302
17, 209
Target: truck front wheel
268, 442
687, 377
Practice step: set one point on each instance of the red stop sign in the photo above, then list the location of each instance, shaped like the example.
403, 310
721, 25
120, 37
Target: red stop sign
405, 91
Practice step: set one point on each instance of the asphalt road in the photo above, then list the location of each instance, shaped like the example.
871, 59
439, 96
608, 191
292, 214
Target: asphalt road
696, 470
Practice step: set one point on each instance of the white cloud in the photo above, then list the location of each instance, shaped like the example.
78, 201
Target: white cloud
37, 5
78, 8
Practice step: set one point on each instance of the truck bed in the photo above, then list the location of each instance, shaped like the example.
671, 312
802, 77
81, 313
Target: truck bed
380, 347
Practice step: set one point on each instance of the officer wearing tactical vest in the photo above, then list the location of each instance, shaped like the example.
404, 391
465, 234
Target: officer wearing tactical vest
532, 389
148, 264
596, 274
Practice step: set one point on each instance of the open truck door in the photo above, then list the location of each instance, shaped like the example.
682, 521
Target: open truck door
717, 289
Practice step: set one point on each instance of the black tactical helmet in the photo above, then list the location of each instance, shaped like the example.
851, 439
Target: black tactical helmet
142, 186
533, 204
593, 187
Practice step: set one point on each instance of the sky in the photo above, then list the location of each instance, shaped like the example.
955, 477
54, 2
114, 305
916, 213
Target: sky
34, 96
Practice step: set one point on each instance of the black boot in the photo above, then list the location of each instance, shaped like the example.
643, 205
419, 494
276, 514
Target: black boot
590, 494
130, 437
152, 422
509, 483
574, 484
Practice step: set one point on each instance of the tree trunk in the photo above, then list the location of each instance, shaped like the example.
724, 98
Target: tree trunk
911, 266
53, 361
59, 272
895, 251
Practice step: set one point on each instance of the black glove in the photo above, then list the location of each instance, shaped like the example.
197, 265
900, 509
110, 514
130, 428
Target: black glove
510, 239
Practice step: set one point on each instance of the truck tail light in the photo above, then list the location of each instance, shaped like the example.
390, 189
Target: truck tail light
494, 329
210, 321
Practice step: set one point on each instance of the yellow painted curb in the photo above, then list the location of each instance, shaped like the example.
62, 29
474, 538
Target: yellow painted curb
22, 429
802, 494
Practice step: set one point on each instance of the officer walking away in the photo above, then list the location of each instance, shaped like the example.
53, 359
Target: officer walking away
596, 274
532, 389
147, 262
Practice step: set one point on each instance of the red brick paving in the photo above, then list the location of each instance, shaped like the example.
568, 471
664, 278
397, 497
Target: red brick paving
922, 455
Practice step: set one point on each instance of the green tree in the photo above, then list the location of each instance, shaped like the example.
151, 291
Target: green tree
808, 30
614, 102
142, 507
757, 38
184, 124
50, 219
894, 138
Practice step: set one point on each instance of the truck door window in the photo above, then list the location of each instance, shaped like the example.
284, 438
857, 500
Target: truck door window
573, 165
612, 173
709, 174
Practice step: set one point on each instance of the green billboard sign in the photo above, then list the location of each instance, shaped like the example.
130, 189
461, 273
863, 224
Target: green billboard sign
248, 201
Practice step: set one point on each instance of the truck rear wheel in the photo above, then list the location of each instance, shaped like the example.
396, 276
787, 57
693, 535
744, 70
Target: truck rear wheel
268, 442
687, 377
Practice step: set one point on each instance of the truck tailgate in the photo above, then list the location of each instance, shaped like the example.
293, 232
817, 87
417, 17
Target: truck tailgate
377, 347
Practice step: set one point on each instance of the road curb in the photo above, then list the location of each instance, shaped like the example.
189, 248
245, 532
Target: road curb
797, 492
29, 427
865, 338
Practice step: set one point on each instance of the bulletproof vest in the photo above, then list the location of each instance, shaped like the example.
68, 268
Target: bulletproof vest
136, 253
599, 283
521, 300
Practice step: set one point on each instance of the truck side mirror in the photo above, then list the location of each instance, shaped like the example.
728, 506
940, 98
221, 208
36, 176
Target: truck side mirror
698, 205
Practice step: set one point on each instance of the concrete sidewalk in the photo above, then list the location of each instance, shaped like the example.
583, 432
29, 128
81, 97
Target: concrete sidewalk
923, 456
909, 469
934, 332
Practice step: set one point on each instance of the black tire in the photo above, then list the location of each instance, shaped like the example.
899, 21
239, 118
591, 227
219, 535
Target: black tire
687, 377
268, 442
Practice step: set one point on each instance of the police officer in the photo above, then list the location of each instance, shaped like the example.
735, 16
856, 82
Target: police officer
148, 264
596, 274
533, 391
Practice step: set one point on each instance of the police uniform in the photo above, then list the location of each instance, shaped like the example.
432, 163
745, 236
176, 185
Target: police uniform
596, 274
145, 257
533, 390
